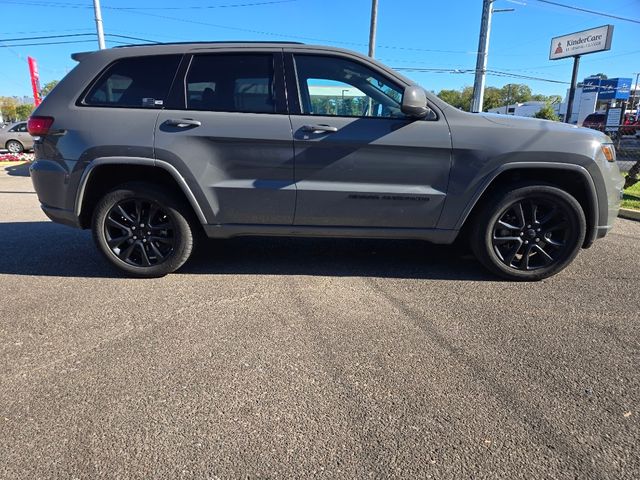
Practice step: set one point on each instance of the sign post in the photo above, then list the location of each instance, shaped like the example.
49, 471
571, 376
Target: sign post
572, 89
577, 44
35, 80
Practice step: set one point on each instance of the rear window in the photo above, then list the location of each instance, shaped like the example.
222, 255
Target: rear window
595, 117
231, 83
21, 127
137, 82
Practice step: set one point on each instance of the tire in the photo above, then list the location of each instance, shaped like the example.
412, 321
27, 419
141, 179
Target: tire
529, 233
14, 146
143, 230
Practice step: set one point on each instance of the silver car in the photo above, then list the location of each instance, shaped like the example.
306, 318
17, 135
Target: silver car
15, 137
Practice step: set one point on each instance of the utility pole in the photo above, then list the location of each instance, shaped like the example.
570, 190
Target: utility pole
374, 27
483, 52
481, 62
99, 30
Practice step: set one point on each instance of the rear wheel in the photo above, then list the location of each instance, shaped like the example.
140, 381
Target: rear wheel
531, 233
14, 146
143, 230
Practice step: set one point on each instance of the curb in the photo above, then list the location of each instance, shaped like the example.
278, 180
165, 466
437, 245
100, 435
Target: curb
629, 214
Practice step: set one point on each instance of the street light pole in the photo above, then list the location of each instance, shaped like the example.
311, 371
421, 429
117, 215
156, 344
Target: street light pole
373, 28
99, 30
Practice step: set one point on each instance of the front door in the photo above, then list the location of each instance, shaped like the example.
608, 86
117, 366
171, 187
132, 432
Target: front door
359, 161
233, 137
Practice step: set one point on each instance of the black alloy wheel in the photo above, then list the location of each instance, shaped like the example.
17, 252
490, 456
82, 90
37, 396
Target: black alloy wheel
139, 232
143, 229
532, 234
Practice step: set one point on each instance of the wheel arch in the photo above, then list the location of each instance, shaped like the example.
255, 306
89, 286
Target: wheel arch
574, 179
102, 174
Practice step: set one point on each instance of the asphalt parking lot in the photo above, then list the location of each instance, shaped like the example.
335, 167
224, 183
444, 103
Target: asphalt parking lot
283, 358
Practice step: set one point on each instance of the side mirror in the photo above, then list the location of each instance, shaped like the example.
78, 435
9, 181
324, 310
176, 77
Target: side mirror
414, 102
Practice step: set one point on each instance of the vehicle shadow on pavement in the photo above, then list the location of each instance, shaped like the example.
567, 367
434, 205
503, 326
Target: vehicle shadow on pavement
337, 257
48, 249
21, 170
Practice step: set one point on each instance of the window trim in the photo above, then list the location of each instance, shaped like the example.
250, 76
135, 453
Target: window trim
279, 84
82, 98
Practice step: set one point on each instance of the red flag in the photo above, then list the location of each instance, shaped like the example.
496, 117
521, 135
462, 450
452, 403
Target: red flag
35, 80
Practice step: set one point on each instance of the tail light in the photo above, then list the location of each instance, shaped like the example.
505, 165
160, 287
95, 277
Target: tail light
38, 126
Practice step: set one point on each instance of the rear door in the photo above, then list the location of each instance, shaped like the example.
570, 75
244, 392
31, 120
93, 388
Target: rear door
232, 136
359, 161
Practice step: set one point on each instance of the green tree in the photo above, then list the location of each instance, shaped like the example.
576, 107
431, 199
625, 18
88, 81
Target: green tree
23, 111
44, 91
493, 98
8, 108
458, 98
516, 93
547, 113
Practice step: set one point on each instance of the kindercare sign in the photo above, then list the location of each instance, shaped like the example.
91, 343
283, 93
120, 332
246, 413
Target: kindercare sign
580, 43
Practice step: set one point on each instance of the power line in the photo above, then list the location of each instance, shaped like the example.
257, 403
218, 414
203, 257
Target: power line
45, 37
472, 71
200, 7
187, 7
127, 37
593, 12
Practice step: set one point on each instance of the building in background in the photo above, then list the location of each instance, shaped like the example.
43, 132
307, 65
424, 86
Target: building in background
526, 109
598, 95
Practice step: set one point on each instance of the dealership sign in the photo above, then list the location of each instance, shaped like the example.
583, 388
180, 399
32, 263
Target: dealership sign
610, 89
580, 43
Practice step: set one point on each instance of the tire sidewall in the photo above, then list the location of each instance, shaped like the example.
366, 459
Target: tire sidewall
486, 253
182, 229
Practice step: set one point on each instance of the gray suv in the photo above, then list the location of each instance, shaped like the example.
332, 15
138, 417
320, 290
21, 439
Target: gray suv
151, 146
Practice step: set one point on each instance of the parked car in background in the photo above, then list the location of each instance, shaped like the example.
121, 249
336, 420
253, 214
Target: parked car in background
15, 137
153, 146
595, 121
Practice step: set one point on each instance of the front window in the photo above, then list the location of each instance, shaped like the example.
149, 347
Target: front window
339, 87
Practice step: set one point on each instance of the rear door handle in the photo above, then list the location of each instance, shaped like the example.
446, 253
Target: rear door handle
319, 128
183, 123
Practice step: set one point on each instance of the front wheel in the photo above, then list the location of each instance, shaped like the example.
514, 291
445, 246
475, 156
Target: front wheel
143, 230
531, 233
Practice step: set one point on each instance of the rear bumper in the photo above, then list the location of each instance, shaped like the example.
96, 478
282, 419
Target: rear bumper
58, 215
51, 182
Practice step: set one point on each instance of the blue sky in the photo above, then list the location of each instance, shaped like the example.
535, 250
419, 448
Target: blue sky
411, 33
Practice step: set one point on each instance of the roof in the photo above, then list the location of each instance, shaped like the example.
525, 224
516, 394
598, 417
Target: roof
79, 56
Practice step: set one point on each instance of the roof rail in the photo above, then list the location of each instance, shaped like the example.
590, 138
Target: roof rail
207, 43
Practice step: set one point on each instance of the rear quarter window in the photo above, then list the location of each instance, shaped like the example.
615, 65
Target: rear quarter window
134, 82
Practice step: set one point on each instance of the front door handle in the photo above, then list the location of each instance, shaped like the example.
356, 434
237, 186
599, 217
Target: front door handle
319, 128
183, 123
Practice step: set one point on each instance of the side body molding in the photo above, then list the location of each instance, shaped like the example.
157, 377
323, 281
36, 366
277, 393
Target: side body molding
149, 162
592, 197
